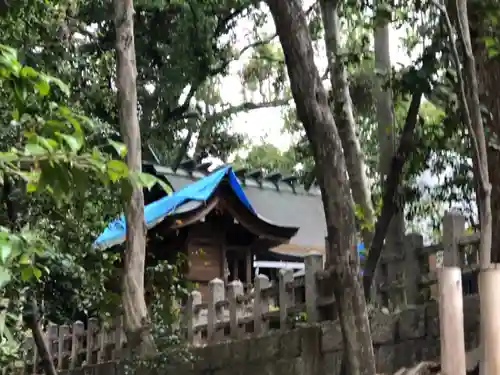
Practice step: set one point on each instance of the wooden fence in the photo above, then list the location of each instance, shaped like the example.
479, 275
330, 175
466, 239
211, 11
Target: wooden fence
406, 277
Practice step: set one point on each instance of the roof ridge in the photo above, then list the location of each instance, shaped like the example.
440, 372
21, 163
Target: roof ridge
248, 178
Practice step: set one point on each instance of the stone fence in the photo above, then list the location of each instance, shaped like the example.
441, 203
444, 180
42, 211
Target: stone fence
404, 279
400, 340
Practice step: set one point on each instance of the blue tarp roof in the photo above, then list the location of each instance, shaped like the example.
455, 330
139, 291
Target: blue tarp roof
155, 212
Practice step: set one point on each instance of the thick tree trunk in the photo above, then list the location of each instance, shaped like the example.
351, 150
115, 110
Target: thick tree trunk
490, 80
478, 135
344, 118
386, 130
473, 117
468, 94
136, 318
314, 112
488, 74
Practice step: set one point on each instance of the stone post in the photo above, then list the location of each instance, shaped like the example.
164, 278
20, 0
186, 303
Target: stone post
313, 263
260, 303
192, 317
285, 296
414, 243
235, 290
453, 229
215, 309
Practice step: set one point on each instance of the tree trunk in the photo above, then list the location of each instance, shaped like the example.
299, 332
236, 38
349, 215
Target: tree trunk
386, 131
474, 121
314, 112
488, 74
32, 321
478, 135
468, 94
392, 184
344, 118
136, 320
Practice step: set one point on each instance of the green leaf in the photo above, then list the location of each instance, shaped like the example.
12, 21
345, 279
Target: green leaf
62, 86
117, 170
5, 277
147, 180
47, 143
5, 251
120, 148
8, 157
24, 260
43, 87
34, 149
26, 273
29, 72
36, 272
166, 187
74, 143
31, 187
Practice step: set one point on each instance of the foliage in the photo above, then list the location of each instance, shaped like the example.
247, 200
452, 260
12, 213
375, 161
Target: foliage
165, 318
59, 183
269, 158
443, 148
53, 160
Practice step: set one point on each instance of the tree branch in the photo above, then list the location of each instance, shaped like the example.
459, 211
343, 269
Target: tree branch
255, 44
222, 22
246, 107
181, 153
456, 61
179, 112
389, 202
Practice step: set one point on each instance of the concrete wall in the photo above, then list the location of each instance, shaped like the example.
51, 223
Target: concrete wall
400, 339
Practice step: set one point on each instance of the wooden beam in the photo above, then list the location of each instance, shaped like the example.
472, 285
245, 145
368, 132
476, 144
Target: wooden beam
248, 264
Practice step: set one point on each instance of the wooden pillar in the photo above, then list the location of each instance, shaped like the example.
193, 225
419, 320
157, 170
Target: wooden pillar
236, 275
224, 266
451, 321
248, 264
489, 280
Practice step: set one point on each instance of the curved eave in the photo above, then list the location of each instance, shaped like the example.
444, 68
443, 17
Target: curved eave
191, 212
254, 222
225, 198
